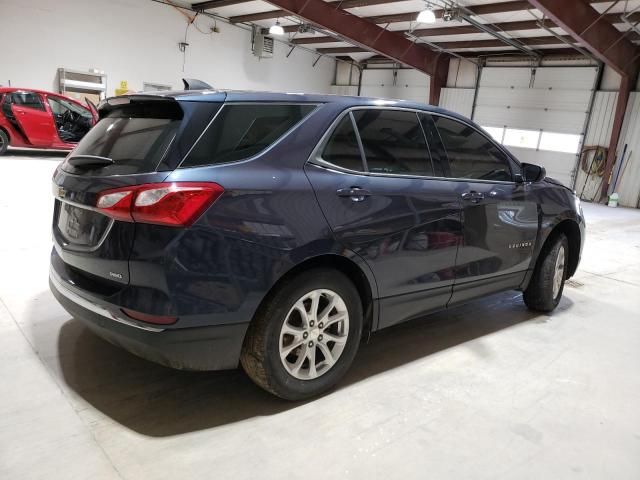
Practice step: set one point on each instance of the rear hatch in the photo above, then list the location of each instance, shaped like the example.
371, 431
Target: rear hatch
138, 140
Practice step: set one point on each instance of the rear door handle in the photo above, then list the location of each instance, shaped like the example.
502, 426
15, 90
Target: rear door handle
356, 194
472, 196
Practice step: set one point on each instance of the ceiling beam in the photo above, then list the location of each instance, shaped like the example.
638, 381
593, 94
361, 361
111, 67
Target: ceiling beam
436, 31
530, 41
201, 6
469, 29
565, 51
341, 50
489, 9
319, 39
505, 26
343, 4
609, 45
587, 26
362, 33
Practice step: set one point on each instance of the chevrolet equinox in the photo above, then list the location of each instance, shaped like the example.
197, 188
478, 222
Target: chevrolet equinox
207, 229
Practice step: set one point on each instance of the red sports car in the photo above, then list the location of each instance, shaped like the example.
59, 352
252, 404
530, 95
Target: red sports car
37, 119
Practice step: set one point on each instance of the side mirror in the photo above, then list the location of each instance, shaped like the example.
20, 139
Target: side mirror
532, 173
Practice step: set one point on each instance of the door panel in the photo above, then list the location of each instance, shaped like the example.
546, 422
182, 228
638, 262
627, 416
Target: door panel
500, 222
404, 224
499, 232
406, 229
37, 125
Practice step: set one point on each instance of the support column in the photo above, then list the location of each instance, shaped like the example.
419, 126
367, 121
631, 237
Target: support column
438, 79
618, 119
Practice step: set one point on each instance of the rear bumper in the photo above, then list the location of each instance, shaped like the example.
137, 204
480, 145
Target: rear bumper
199, 348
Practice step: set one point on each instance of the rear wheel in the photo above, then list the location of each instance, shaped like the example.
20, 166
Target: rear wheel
4, 141
545, 288
305, 337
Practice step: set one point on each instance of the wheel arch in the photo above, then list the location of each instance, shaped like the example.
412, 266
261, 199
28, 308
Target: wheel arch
6, 132
355, 273
571, 230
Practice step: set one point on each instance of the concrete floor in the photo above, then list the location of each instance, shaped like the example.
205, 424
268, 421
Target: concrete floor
489, 390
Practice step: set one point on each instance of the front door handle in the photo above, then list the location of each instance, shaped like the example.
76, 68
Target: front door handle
472, 196
356, 194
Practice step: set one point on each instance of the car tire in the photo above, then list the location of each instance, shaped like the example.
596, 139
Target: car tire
269, 354
545, 288
4, 142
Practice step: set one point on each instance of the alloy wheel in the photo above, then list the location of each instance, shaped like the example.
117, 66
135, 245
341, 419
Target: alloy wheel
314, 334
558, 273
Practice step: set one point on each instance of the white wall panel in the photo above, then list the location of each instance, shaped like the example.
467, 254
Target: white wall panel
552, 99
462, 74
535, 98
344, 90
459, 100
407, 85
557, 164
530, 119
574, 78
411, 78
137, 41
505, 77
598, 134
610, 79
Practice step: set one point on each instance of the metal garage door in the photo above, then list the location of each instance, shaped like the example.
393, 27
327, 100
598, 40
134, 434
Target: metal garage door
546, 100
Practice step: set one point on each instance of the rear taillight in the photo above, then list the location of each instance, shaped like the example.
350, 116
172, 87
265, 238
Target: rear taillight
174, 204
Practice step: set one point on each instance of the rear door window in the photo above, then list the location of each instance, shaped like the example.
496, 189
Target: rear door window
342, 147
244, 130
471, 154
28, 100
393, 142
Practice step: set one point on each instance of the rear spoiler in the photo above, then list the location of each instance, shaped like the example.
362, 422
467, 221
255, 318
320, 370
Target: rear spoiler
168, 104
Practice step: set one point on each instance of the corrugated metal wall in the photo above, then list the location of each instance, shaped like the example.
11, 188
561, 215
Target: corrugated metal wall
598, 134
628, 186
459, 100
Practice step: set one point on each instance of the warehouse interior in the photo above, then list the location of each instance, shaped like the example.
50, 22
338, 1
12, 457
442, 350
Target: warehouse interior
484, 390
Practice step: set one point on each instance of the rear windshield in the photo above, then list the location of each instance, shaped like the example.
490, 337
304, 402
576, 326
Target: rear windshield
242, 131
136, 136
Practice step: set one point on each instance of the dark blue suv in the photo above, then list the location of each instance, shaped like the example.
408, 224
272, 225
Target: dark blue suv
203, 229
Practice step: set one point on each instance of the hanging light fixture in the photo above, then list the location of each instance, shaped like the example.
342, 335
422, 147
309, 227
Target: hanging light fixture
426, 16
276, 29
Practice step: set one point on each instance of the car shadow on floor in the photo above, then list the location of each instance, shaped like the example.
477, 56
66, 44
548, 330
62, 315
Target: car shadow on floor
158, 401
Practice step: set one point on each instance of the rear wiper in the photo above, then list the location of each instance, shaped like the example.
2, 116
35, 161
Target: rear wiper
89, 161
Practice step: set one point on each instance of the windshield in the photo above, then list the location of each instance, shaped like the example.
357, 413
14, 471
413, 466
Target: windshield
59, 106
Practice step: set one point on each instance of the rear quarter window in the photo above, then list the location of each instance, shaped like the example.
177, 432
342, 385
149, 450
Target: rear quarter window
244, 130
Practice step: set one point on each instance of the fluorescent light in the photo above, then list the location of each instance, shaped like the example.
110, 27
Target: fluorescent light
426, 16
276, 29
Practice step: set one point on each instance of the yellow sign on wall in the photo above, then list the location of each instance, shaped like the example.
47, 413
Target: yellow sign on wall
124, 88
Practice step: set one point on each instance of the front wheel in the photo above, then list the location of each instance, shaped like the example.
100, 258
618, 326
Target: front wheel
305, 337
545, 288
